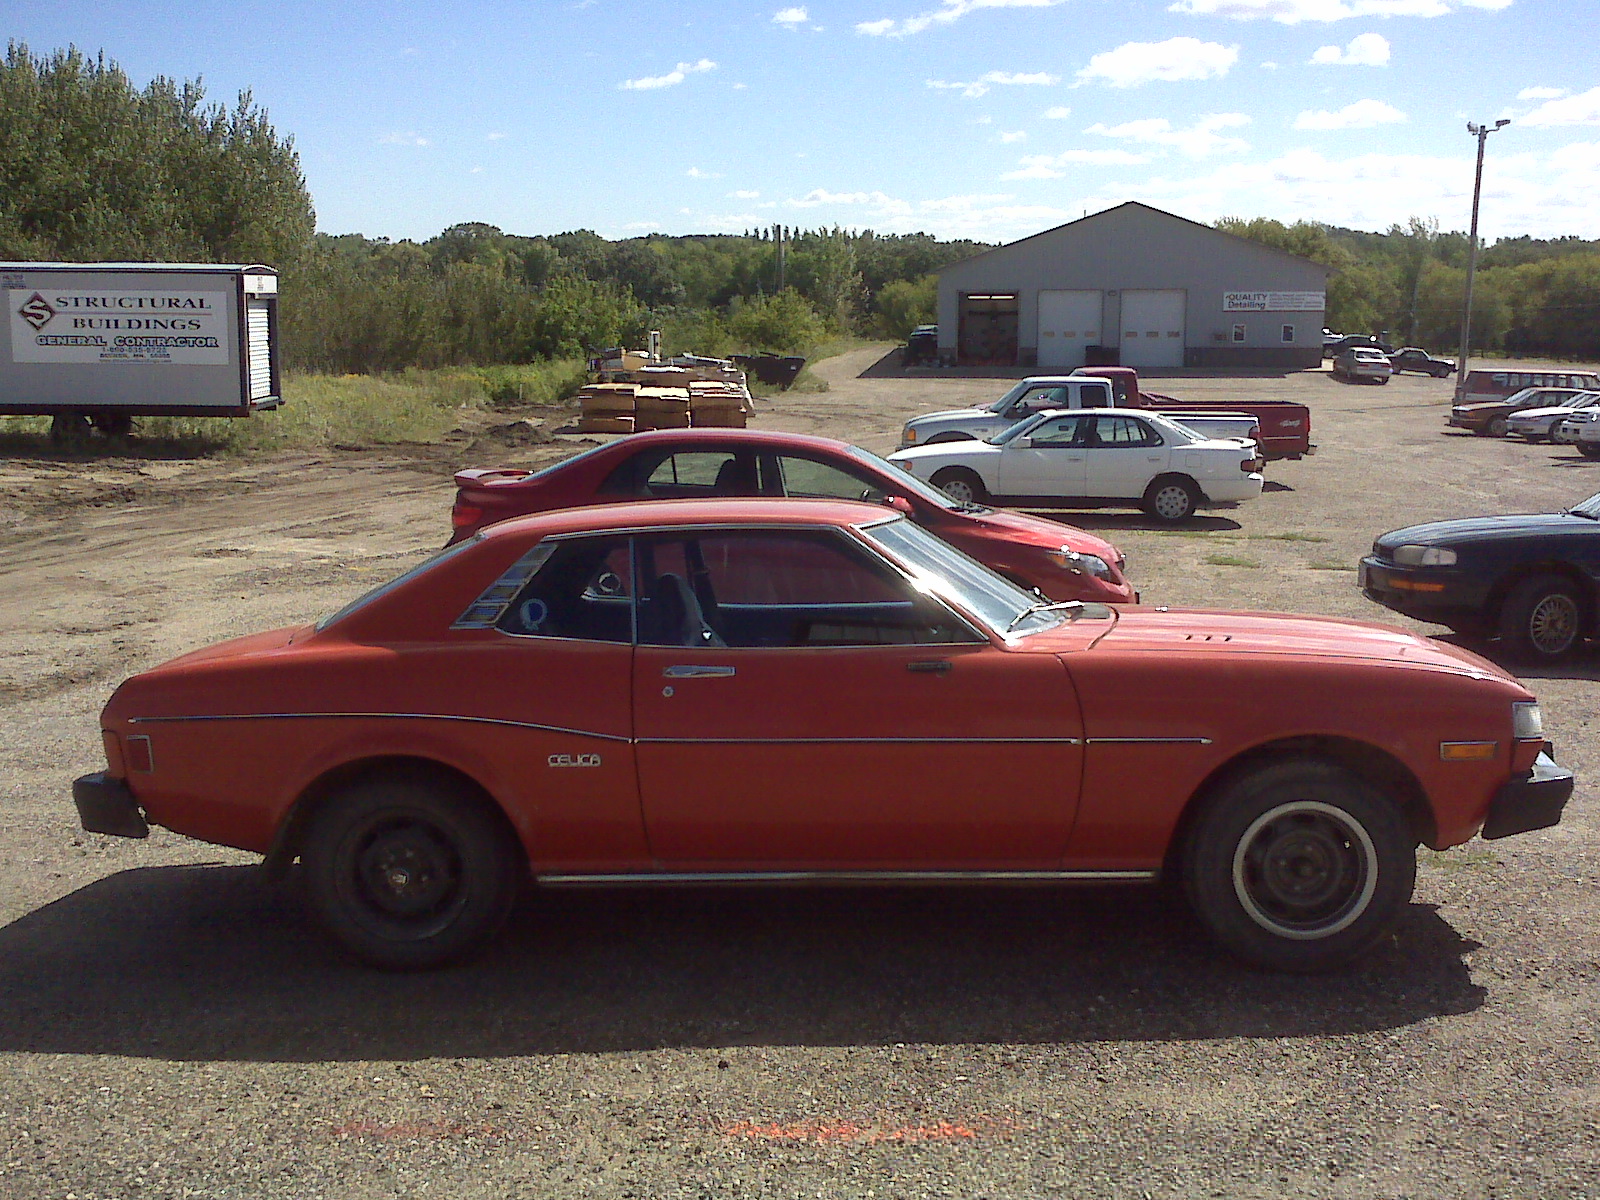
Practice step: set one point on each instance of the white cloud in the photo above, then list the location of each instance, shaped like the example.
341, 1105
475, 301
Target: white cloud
697, 173
1059, 113
494, 137
948, 12
743, 195
1049, 166
981, 85
408, 138
1363, 114
1019, 135
1175, 59
1269, 66
879, 202
1582, 109
671, 79
1293, 12
790, 18
1363, 50
1200, 140
1541, 93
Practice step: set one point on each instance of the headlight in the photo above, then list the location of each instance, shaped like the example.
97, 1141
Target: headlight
1527, 724
1424, 556
1081, 564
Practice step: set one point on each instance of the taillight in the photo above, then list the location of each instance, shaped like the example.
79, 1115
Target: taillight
464, 515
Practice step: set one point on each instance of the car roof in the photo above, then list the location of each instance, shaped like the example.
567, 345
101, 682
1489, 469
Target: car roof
728, 436
600, 518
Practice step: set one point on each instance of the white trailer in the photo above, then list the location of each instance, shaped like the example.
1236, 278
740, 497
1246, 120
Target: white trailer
103, 343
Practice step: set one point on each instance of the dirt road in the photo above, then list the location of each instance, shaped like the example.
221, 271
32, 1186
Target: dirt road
171, 1026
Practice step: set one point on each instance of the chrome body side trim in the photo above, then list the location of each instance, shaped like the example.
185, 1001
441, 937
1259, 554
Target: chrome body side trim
737, 877
857, 741
1153, 741
383, 716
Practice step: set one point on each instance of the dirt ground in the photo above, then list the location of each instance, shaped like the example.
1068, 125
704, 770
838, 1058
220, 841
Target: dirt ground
170, 1025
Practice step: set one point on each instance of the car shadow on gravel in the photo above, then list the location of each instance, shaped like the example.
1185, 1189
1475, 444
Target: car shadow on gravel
1104, 520
215, 963
1581, 663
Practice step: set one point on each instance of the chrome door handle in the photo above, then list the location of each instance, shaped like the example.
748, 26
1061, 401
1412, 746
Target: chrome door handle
696, 672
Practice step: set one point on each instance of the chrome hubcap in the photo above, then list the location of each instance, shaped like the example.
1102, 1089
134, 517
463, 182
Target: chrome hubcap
1553, 624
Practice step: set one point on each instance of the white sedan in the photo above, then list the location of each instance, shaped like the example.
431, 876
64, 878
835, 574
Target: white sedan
1540, 424
1091, 458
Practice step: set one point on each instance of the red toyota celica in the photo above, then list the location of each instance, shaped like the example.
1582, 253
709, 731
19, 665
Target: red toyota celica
807, 691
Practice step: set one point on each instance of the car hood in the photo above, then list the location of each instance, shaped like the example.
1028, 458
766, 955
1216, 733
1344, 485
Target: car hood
951, 414
1043, 532
1482, 529
966, 448
1202, 631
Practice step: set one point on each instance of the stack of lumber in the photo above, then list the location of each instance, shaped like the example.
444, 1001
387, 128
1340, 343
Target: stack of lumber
717, 403
661, 408
607, 407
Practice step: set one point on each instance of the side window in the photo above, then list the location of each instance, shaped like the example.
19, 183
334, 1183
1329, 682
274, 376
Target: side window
690, 473
1058, 433
1122, 432
1094, 395
777, 588
820, 480
584, 590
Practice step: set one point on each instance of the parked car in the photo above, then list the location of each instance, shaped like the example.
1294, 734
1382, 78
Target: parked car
1538, 424
1581, 429
752, 691
1491, 418
1332, 347
922, 346
1063, 562
1362, 364
1413, 359
1531, 580
1094, 458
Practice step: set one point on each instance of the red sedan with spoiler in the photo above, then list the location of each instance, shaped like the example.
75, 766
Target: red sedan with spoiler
1061, 561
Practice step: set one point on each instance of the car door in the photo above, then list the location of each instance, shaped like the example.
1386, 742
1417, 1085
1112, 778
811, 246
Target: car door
839, 719
1048, 460
1122, 455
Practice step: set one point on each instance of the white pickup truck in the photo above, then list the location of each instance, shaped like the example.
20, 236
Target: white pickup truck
1038, 393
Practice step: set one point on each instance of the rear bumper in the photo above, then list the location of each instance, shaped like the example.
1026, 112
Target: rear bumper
1534, 800
105, 805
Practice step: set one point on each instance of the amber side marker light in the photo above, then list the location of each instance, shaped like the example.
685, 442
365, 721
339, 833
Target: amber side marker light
1468, 751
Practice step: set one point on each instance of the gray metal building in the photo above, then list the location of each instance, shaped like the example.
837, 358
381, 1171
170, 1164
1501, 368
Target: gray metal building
1137, 286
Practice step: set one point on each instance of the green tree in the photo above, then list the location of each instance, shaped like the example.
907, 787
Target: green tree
901, 306
785, 323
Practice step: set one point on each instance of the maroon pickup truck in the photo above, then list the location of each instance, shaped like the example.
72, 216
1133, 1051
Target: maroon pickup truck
1285, 426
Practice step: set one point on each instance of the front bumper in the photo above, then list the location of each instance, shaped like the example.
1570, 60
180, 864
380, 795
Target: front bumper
105, 805
1533, 800
1440, 594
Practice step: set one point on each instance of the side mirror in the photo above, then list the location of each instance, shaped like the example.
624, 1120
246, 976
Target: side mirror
900, 504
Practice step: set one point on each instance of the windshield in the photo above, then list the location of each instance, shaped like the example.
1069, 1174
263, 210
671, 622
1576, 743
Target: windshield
1008, 397
1589, 508
945, 571
908, 482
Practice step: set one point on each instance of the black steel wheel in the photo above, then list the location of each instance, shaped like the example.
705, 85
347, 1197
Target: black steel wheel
1299, 865
1542, 619
410, 874
1171, 498
961, 485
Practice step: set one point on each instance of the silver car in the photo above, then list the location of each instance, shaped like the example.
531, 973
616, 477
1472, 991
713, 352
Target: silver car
1540, 424
1363, 364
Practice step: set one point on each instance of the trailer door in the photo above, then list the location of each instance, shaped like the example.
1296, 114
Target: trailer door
258, 346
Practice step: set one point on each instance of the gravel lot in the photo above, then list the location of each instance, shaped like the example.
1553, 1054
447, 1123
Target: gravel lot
171, 1026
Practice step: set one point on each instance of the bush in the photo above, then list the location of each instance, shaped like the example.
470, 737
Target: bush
784, 323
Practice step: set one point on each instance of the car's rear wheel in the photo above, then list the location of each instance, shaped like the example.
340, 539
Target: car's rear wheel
410, 874
1541, 619
1172, 498
1299, 865
961, 485
1589, 449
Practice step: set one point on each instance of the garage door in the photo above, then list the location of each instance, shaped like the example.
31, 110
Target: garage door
1152, 329
1068, 322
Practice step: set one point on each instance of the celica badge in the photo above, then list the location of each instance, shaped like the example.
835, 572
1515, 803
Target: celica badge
574, 760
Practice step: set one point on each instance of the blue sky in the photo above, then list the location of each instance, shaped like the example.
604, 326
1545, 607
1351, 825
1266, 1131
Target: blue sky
989, 119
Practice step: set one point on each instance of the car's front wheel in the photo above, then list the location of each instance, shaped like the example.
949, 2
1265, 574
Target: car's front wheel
1496, 427
1299, 865
410, 874
1172, 498
1541, 619
961, 485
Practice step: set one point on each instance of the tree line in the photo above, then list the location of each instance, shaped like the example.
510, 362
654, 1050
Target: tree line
93, 168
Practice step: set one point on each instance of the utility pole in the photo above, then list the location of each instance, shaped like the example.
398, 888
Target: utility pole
1481, 132
778, 233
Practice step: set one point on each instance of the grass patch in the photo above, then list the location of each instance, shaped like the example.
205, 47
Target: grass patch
1458, 858
1287, 537
1332, 565
1231, 560
323, 411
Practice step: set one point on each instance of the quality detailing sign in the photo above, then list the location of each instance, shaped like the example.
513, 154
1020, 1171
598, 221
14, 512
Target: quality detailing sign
1274, 301
71, 326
